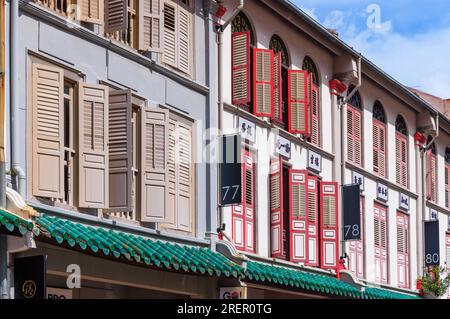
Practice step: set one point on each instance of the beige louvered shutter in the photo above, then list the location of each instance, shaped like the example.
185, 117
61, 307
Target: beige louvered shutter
184, 38
298, 107
151, 28
376, 146
240, 68
358, 137
93, 146
350, 135
155, 132
48, 137
116, 15
315, 120
382, 159
170, 34
91, 11
277, 87
263, 83
120, 151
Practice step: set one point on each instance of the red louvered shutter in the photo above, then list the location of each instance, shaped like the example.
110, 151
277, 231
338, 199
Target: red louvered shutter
276, 207
243, 218
313, 222
240, 48
298, 215
315, 113
401, 160
329, 228
403, 250
431, 177
298, 112
354, 135
447, 180
381, 244
277, 88
263, 83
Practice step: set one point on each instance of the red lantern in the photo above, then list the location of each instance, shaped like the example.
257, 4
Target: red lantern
420, 139
221, 10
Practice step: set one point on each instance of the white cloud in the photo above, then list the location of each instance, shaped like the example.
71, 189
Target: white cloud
311, 12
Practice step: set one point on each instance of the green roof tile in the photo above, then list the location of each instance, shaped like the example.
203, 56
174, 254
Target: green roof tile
10, 222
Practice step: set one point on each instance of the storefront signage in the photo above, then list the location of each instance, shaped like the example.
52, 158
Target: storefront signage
432, 252
59, 293
352, 213
233, 293
358, 179
404, 201
433, 214
30, 277
283, 147
382, 192
247, 130
314, 161
231, 170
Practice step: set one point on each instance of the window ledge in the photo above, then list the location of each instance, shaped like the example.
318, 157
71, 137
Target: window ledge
439, 208
269, 125
118, 225
380, 179
110, 44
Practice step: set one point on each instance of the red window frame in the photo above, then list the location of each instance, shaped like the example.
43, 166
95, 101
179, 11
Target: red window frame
402, 166
277, 210
432, 178
354, 140
380, 250
243, 216
403, 267
356, 260
243, 67
262, 83
379, 148
315, 115
298, 104
329, 234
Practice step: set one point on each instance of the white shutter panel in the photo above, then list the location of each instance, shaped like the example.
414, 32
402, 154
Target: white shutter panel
120, 151
154, 165
151, 29
116, 15
93, 146
91, 11
48, 137
184, 38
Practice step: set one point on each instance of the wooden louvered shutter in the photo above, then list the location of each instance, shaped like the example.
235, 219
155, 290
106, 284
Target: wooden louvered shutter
276, 207
315, 115
154, 163
298, 112
402, 250
120, 151
379, 150
356, 248
446, 181
401, 160
249, 178
329, 228
277, 88
116, 15
48, 136
263, 83
404, 162
180, 175
431, 176
91, 11
380, 235
358, 137
350, 135
240, 55
298, 215
93, 146
151, 27
184, 39
313, 221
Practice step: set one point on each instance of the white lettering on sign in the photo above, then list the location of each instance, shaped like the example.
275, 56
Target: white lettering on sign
283, 147
314, 161
247, 130
382, 192
404, 201
358, 178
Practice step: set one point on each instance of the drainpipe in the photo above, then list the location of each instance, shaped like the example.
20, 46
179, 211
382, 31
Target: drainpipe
220, 55
343, 144
14, 97
421, 216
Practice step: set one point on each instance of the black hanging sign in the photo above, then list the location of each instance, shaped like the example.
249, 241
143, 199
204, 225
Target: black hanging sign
231, 170
352, 213
30, 277
432, 252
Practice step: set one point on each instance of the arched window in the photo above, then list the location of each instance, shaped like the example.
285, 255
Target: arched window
310, 66
277, 45
241, 23
355, 100
401, 152
447, 177
378, 112
431, 171
379, 139
400, 125
354, 128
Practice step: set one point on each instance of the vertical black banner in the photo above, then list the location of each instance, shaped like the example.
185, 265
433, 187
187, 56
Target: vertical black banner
352, 213
432, 252
230, 170
30, 277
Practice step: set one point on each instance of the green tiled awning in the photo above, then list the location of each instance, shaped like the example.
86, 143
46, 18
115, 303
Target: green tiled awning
379, 293
292, 278
135, 248
11, 222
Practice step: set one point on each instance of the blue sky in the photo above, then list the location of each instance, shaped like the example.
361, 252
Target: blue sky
410, 41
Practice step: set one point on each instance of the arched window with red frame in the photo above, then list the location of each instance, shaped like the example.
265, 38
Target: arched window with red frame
314, 101
379, 139
354, 128
401, 152
431, 171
